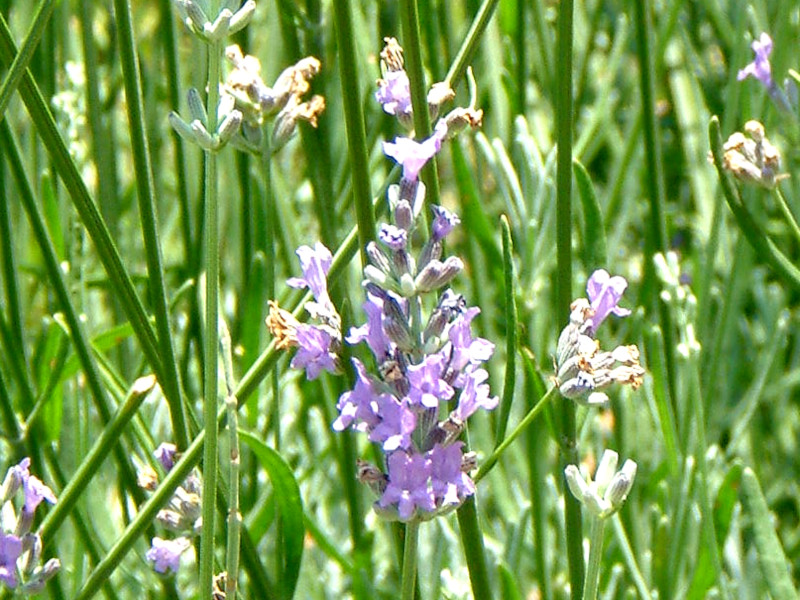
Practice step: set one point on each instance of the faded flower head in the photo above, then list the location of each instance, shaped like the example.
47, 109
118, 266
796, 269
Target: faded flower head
606, 494
752, 158
583, 368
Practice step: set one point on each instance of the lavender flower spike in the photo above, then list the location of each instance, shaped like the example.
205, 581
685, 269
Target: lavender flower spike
408, 486
604, 293
760, 67
315, 263
166, 554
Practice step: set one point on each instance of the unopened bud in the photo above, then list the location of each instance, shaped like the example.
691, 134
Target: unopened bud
437, 274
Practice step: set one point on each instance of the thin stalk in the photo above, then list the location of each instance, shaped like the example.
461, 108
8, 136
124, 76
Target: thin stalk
410, 552
509, 382
787, 214
515, 433
146, 193
472, 542
470, 43
23, 58
630, 558
595, 554
567, 438
212, 329
234, 516
354, 124
412, 47
9, 271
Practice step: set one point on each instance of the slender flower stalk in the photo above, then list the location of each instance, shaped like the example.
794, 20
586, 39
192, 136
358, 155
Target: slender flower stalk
409, 578
210, 353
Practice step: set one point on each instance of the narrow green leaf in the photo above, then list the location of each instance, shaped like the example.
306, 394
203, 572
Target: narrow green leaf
595, 254
290, 505
508, 583
774, 566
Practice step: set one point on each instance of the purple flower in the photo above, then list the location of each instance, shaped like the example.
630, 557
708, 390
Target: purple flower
10, 549
360, 404
443, 222
165, 454
466, 349
413, 155
426, 384
35, 492
372, 330
166, 554
397, 423
394, 237
605, 293
313, 351
394, 93
760, 67
450, 484
475, 395
315, 264
408, 485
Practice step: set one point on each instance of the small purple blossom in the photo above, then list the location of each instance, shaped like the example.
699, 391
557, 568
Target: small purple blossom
358, 406
166, 554
394, 93
604, 293
10, 550
427, 385
443, 222
409, 485
372, 331
313, 351
414, 155
393, 237
165, 454
315, 264
397, 423
760, 67
465, 349
35, 492
450, 484
475, 395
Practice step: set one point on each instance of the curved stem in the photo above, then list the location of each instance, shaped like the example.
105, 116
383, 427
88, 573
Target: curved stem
787, 214
410, 561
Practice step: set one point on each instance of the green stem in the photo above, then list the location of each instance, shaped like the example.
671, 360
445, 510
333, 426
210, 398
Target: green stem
787, 214
472, 542
595, 554
408, 586
23, 58
470, 43
630, 558
145, 187
212, 330
509, 382
567, 436
412, 47
354, 124
532, 414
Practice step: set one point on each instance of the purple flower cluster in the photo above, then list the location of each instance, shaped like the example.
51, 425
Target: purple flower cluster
181, 516
21, 549
584, 369
317, 344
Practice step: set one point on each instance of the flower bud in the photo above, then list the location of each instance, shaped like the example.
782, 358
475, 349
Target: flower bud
621, 485
437, 274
